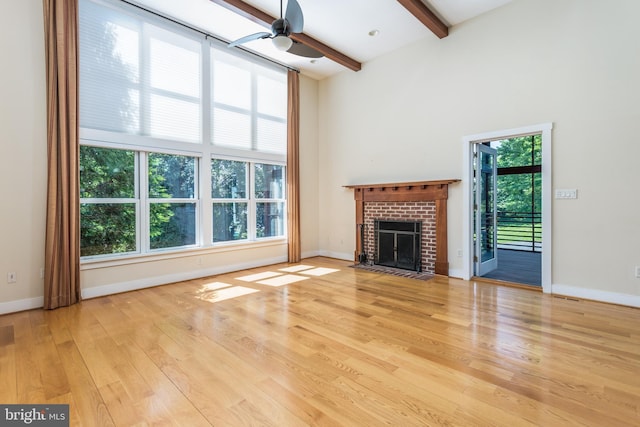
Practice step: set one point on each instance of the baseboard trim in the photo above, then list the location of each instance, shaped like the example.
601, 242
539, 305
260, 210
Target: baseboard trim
116, 288
310, 254
337, 255
456, 273
21, 305
99, 291
596, 295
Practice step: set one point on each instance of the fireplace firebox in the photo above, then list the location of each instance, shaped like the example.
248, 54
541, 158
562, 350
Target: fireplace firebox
398, 244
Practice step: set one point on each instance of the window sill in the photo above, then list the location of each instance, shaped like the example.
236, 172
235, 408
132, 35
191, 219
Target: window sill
115, 261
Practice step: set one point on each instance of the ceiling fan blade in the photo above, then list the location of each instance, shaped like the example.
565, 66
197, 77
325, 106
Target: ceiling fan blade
294, 17
249, 38
300, 49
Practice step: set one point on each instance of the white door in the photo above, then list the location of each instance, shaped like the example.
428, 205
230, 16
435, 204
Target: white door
486, 243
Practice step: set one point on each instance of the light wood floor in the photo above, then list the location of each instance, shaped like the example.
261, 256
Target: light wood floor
337, 347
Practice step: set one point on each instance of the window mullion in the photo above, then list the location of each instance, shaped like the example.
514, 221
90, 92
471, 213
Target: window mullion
251, 211
254, 110
197, 195
145, 81
206, 95
206, 205
143, 178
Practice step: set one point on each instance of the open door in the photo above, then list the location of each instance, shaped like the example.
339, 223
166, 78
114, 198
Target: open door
486, 242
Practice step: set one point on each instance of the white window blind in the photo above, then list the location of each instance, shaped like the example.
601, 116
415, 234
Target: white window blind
138, 78
249, 104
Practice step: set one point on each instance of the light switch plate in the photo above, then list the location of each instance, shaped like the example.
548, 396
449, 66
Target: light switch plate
571, 193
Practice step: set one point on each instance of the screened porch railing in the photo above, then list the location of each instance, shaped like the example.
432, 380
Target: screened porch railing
520, 231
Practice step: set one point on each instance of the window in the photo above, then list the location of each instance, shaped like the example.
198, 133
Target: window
137, 77
172, 200
109, 204
269, 194
231, 181
183, 143
249, 111
229, 191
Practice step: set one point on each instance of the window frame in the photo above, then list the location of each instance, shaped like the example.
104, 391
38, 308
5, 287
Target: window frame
231, 58
148, 201
120, 200
266, 200
223, 200
252, 200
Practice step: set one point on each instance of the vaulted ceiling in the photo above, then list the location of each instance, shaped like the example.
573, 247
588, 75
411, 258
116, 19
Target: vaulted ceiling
341, 29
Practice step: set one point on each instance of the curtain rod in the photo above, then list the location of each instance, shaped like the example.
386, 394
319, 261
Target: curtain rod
208, 35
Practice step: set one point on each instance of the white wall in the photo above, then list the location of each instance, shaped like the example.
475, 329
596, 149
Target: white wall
23, 153
574, 63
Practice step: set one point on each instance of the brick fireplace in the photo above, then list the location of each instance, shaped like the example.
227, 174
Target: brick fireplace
422, 212
424, 202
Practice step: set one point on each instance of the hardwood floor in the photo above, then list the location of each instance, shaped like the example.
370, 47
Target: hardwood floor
328, 346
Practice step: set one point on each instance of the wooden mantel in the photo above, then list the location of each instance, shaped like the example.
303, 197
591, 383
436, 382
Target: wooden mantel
421, 191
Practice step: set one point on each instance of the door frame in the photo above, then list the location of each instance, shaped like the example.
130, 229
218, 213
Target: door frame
468, 142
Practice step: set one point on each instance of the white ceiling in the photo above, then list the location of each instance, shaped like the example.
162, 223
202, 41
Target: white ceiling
341, 24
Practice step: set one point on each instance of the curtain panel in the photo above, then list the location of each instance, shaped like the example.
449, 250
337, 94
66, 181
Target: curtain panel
62, 241
293, 166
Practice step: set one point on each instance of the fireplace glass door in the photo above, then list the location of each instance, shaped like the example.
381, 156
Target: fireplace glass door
398, 244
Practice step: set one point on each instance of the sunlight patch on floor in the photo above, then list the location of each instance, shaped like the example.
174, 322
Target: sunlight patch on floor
282, 280
278, 278
259, 276
320, 271
213, 286
225, 293
296, 268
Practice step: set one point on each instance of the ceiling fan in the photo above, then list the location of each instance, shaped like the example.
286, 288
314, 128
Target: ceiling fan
281, 28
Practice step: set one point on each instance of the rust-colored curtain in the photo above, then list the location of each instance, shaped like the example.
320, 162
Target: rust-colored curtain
62, 241
293, 166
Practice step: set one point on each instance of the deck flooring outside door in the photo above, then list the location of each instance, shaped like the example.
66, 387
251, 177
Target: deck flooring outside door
518, 267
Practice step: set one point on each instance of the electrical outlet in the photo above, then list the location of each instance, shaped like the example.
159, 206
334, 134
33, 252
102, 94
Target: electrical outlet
12, 277
638, 271
459, 253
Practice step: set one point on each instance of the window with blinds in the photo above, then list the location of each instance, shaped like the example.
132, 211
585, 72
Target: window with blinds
167, 103
248, 110
138, 78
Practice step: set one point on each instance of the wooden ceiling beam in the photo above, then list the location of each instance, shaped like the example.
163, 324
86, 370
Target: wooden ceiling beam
327, 51
256, 15
426, 16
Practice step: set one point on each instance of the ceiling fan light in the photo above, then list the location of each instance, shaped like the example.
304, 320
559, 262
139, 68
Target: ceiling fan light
282, 42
